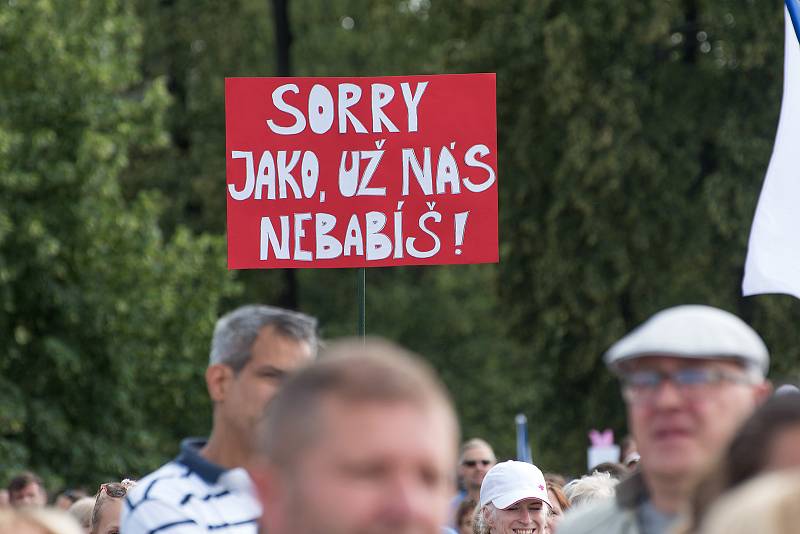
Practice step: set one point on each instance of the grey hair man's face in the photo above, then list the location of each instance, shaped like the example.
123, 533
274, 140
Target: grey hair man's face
248, 392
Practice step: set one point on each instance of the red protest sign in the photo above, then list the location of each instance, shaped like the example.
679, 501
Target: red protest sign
361, 172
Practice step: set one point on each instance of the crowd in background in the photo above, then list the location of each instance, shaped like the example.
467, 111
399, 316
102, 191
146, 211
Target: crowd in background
364, 441
24, 508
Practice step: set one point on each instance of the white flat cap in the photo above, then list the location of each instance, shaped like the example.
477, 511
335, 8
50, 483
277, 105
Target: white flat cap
693, 331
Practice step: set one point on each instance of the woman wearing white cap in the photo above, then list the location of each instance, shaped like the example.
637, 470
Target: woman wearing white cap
514, 500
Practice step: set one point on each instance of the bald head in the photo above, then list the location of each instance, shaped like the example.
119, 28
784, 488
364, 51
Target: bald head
349, 372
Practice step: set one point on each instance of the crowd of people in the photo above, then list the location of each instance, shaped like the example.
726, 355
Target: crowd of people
365, 440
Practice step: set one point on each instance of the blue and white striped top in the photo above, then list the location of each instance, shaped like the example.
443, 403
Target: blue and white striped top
191, 495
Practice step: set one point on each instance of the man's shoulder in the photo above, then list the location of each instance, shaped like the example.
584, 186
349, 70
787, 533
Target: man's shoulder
605, 516
169, 482
177, 497
189, 475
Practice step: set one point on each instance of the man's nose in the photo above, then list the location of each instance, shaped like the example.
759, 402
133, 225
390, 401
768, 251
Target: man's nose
407, 500
401, 501
667, 394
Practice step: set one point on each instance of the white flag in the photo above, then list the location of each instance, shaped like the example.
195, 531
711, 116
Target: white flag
773, 255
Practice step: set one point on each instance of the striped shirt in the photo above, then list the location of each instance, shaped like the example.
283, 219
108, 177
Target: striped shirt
191, 495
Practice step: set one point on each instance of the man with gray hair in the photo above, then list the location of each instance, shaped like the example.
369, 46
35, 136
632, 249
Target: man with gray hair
253, 350
690, 376
362, 441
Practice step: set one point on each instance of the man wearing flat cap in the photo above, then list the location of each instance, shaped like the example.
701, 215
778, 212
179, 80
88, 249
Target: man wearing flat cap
690, 375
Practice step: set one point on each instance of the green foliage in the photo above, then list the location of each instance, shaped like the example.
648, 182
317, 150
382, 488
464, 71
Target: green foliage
633, 138
104, 321
633, 141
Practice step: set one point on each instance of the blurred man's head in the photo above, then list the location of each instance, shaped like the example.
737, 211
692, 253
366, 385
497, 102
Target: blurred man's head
690, 376
27, 489
362, 441
477, 457
68, 497
253, 350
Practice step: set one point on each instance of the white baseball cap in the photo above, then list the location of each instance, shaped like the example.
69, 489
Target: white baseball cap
510, 482
693, 331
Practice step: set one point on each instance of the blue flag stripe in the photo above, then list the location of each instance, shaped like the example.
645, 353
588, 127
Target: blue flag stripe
794, 12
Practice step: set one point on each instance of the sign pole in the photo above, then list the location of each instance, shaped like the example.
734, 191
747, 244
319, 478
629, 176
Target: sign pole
361, 288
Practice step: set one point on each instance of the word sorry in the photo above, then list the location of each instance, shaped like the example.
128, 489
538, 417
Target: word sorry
321, 108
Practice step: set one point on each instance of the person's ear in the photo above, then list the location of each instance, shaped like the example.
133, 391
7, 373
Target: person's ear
763, 391
218, 379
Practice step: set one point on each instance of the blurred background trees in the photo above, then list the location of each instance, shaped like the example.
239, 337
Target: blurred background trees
633, 138
103, 313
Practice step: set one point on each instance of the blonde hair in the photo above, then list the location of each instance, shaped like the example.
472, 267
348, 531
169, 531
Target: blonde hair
481, 526
590, 488
767, 504
81, 510
48, 520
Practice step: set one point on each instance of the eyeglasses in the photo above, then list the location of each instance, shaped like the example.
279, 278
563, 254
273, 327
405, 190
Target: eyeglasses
642, 386
473, 463
114, 489
117, 490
